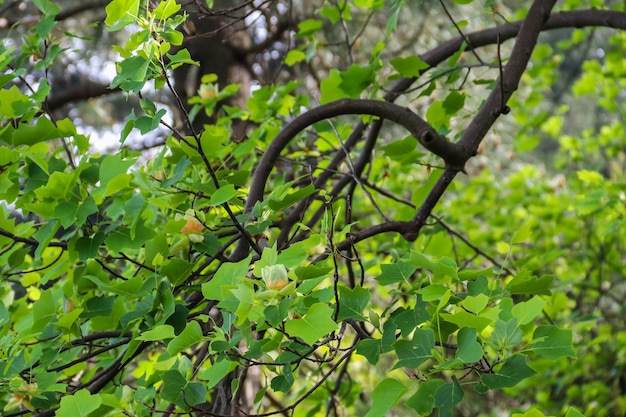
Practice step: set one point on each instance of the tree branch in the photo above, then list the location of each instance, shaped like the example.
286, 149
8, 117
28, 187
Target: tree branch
580, 18
493, 107
83, 91
422, 131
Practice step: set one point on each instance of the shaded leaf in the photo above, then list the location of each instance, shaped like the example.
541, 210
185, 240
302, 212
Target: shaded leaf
397, 272
447, 397
385, 395
553, 343
513, 371
412, 353
423, 401
469, 350
352, 302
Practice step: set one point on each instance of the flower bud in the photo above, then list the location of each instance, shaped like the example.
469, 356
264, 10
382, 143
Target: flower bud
275, 276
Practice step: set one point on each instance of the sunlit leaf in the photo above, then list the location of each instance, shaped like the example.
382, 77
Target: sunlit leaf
80, 404
315, 324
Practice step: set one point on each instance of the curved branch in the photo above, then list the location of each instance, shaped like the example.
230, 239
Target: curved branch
422, 131
560, 20
578, 19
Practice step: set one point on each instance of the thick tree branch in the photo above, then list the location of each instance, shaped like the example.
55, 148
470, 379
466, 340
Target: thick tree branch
560, 20
581, 18
512, 73
493, 107
422, 131
83, 91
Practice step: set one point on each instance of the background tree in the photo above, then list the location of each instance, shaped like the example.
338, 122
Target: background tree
331, 208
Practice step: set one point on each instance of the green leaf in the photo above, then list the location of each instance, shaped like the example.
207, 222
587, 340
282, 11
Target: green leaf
132, 73
228, 274
120, 240
523, 283
44, 310
408, 319
43, 130
47, 7
526, 311
399, 149
88, 246
442, 267
369, 4
284, 382
165, 9
337, 12
352, 302
329, 88
296, 253
437, 116
314, 325
469, 350
188, 337
121, 10
454, 102
447, 397
465, 319
217, 371
308, 27
79, 404
371, 349
161, 332
292, 198
294, 56
475, 304
398, 272
572, 412
44, 236
423, 401
507, 333
349, 83
14, 104
244, 293
522, 234
177, 270
356, 79
147, 124
387, 393
553, 343
223, 195
412, 353
179, 58
533, 412
392, 22
180, 171
113, 166
178, 390
513, 371
98, 306
434, 292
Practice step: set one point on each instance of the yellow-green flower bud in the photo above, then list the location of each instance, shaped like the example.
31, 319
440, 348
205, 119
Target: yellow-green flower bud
275, 276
